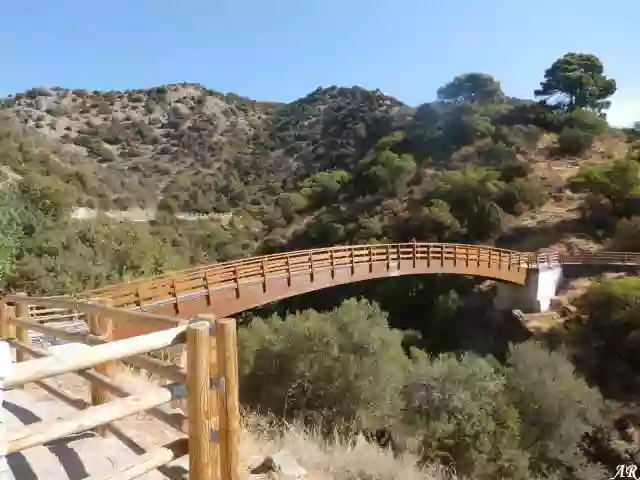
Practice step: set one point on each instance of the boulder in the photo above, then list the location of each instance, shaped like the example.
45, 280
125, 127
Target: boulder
283, 465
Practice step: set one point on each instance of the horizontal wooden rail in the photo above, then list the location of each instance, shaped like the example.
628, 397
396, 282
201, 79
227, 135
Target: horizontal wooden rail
174, 420
46, 431
48, 367
197, 383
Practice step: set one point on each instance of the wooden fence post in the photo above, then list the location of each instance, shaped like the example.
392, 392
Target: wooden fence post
226, 344
215, 448
5, 332
198, 388
102, 326
22, 334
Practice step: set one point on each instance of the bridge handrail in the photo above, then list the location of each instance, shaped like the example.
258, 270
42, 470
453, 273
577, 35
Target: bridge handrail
316, 254
290, 263
20, 313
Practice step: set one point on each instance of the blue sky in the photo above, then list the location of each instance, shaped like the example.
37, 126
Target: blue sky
283, 49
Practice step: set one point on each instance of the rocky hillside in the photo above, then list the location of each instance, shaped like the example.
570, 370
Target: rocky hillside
166, 134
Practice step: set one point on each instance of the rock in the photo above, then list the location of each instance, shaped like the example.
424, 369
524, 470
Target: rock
283, 464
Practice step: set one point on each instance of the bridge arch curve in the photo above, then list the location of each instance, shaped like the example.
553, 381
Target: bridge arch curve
229, 288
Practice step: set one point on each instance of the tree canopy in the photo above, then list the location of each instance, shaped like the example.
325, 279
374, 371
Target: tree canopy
471, 88
577, 80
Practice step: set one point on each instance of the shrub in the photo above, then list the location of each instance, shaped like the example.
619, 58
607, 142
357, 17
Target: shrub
464, 418
608, 339
627, 235
344, 367
572, 141
557, 409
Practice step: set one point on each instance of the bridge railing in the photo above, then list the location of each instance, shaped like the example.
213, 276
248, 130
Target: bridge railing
208, 384
304, 262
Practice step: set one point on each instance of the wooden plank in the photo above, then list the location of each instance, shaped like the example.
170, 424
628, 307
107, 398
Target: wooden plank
102, 326
43, 432
198, 416
49, 367
22, 334
174, 420
148, 461
227, 353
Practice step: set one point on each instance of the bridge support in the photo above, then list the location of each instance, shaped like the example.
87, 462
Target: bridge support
536, 295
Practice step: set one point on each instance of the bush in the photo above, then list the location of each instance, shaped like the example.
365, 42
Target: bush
338, 369
585, 121
609, 339
464, 418
627, 235
557, 409
574, 142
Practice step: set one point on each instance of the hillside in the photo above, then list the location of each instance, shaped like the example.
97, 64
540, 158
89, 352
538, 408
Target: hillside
343, 166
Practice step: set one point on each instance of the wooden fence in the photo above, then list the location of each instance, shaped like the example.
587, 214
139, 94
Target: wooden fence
208, 384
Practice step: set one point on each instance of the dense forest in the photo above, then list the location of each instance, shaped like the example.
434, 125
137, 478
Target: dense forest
426, 357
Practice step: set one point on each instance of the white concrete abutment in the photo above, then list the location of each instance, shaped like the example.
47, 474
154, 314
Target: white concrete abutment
541, 286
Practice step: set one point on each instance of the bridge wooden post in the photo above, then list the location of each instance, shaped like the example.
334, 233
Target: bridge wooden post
22, 334
388, 258
415, 254
311, 267
353, 261
263, 272
174, 289
139, 299
102, 326
207, 281
236, 279
332, 260
288, 263
229, 403
198, 386
214, 397
5, 327
370, 259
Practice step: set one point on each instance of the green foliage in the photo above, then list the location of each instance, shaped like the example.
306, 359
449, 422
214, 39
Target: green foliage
611, 329
526, 419
471, 88
617, 184
465, 419
343, 367
12, 223
626, 236
557, 409
577, 80
574, 142
472, 194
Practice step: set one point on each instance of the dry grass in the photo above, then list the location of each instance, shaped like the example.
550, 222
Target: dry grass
337, 459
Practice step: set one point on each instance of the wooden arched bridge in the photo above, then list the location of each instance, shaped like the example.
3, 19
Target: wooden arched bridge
228, 288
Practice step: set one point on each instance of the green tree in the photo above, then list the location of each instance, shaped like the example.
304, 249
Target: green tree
608, 340
12, 211
338, 369
464, 418
471, 88
617, 183
557, 409
577, 80
473, 194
